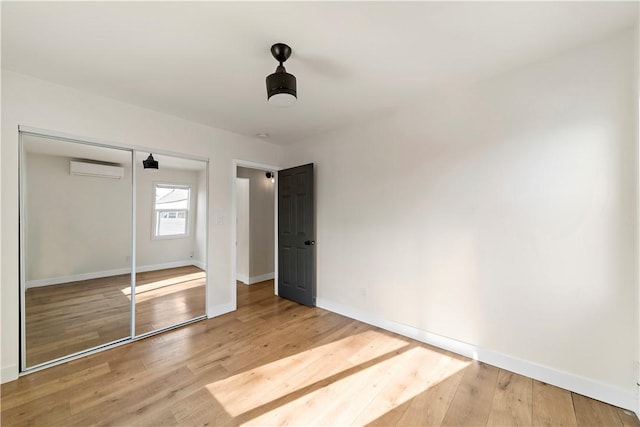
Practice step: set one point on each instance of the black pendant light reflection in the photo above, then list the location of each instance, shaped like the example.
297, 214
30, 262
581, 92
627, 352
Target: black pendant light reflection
281, 86
150, 163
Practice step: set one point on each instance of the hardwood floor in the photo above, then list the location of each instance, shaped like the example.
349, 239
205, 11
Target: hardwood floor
274, 362
68, 318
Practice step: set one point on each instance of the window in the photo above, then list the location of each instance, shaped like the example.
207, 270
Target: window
171, 210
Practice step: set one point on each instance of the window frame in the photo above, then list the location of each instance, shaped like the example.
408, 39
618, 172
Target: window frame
155, 212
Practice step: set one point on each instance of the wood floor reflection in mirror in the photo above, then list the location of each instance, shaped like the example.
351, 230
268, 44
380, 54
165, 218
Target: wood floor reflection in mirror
169, 297
71, 317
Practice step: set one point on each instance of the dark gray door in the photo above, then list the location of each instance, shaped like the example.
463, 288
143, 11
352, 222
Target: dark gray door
296, 244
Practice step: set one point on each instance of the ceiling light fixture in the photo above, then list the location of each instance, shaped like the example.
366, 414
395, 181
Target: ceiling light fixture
281, 86
150, 163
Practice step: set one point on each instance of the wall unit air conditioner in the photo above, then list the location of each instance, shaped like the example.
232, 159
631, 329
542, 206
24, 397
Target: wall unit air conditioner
96, 170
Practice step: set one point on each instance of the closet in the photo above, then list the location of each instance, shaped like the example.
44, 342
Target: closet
110, 250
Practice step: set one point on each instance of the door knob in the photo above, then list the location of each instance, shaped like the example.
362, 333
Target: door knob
310, 242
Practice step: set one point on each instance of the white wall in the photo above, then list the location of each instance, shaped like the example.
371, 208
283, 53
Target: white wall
501, 215
242, 229
261, 224
153, 252
32, 102
76, 224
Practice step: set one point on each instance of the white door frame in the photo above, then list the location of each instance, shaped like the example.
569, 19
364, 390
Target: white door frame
234, 213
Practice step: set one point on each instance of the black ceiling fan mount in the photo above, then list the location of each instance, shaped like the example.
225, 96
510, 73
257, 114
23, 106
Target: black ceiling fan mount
281, 86
281, 52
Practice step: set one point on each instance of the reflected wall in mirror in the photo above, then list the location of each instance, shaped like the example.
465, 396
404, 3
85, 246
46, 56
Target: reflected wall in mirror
171, 234
77, 216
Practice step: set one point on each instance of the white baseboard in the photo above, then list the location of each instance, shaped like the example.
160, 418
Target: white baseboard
163, 266
585, 386
254, 279
106, 273
220, 309
260, 278
199, 264
8, 373
76, 277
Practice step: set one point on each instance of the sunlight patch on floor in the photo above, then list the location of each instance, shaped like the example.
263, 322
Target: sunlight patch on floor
367, 394
256, 387
353, 380
161, 287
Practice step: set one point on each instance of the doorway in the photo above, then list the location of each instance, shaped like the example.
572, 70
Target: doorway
254, 205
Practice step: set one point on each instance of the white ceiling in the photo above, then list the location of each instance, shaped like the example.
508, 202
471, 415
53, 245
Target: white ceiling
207, 61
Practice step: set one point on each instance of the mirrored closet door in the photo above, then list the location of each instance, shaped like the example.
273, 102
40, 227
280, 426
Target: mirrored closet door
79, 202
170, 235
77, 223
